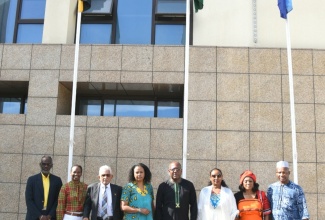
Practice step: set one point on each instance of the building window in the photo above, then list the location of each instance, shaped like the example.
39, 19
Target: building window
30, 22
13, 97
8, 10
11, 105
134, 22
129, 108
125, 99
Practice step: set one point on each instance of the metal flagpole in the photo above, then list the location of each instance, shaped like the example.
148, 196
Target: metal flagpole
292, 105
74, 88
186, 73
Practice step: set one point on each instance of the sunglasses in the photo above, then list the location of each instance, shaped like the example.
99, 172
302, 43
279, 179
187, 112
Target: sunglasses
175, 169
218, 176
107, 175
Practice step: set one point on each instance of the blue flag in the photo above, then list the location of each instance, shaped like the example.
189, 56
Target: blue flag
285, 7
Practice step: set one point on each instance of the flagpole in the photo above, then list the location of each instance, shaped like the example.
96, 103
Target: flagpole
292, 105
186, 75
74, 87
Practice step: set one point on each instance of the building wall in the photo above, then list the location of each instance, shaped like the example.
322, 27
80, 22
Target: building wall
239, 116
230, 23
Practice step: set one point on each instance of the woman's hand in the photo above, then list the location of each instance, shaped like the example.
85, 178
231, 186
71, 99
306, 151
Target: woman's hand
144, 211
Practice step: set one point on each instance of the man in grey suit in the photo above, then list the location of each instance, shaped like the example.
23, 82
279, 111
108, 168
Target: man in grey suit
103, 198
42, 191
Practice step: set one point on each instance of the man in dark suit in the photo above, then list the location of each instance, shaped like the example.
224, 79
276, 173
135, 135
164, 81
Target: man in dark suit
42, 192
103, 198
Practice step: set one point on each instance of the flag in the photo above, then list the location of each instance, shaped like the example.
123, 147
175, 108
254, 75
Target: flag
84, 5
198, 5
285, 7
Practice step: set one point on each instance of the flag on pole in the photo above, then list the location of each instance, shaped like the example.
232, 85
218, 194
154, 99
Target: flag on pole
285, 7
198, 4
83, 5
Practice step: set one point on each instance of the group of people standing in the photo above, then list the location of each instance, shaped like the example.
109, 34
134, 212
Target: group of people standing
47, 199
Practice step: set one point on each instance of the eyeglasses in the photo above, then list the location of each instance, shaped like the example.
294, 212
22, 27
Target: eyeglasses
218, 176
175, 169
107, 175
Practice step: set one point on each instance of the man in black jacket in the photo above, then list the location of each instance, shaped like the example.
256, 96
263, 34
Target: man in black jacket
97, 193
42, 191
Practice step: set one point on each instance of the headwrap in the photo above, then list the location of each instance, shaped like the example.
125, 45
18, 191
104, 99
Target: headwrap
281, 164
247, 173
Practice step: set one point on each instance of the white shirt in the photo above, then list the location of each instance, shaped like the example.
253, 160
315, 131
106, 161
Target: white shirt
109, 199
226, 209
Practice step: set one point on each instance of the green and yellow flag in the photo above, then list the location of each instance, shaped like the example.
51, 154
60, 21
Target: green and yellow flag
83, 5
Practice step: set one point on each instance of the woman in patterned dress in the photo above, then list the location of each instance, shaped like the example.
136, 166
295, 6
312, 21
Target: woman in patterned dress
217, 201
137, 196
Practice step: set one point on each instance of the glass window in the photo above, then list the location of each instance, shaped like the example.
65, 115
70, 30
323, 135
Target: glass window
100, 7
95, 33
30, 33
134, 22
135, 108
90, 107
10, 105
170, 34
171, 6
32, 9
168, 109
109, 108
7, 20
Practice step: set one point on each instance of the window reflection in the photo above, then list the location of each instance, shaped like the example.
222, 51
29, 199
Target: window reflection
135, 108
7, 20
170, 34
95, 33
171, 6
33, 9
134, 22
90, 107
30, 33
168, 109
12, 105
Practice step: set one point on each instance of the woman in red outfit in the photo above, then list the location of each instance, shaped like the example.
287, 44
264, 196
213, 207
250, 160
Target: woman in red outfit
251, 202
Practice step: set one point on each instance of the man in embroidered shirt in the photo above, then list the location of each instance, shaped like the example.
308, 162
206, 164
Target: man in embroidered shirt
42, 192
72, 197
176, 197
287, 199
103, 198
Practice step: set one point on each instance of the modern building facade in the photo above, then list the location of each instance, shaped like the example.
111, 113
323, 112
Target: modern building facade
130, 94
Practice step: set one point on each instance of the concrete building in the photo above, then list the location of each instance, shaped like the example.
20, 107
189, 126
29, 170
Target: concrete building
238, 100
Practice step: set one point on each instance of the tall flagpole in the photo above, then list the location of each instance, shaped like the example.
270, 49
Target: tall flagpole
186, 73
74, 88
292, 105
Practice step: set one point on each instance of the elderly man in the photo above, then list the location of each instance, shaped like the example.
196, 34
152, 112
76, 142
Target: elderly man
176, 197
42, 191
103, 198
287, 199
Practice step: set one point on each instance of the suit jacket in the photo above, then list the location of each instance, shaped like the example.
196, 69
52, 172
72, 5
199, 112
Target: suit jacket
92, 197
34, 196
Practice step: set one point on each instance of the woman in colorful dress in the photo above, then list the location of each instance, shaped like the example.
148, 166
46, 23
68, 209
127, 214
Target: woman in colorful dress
252, 196
137, 196
217, 201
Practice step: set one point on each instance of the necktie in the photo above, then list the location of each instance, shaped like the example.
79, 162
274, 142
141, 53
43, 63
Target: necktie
104, 213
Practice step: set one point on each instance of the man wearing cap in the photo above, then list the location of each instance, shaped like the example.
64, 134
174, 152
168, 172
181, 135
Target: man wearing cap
287, 199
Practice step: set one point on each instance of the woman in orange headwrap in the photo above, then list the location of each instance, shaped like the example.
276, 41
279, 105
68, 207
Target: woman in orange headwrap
251, 202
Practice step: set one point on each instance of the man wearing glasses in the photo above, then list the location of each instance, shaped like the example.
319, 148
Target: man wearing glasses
42, 191
103, 198
176, 197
